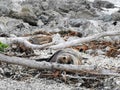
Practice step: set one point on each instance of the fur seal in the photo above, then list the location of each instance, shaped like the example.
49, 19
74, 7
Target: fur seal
66, 56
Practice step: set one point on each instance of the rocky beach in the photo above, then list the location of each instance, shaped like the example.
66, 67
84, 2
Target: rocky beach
60, 18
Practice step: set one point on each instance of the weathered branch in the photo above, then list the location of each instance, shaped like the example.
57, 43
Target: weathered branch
84, 39
24, 41
52, 66
43, 65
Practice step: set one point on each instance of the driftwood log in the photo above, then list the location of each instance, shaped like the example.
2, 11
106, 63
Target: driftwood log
24, 41
85, 39
43, 64
52, 66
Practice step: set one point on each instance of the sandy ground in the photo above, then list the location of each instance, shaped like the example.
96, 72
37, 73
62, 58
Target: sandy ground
33, 84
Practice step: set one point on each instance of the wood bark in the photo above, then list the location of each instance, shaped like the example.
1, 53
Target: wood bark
26, 43
43, 64
84, 39
53, 66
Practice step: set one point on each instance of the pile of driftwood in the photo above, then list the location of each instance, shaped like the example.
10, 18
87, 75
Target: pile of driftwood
67, 60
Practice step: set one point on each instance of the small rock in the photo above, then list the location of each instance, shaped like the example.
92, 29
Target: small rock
90, 51
105, 18
45, 5
100, 52
107, 48
44, 19
105, 4
58, 39
40, 23
116, 16
4, 10
26, 15
77, 22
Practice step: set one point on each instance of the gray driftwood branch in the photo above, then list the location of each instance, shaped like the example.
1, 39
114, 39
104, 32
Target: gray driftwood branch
85, 39
24, 41
43, 64
52, 66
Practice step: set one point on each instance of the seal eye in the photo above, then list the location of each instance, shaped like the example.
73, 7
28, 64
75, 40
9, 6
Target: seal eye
64, 58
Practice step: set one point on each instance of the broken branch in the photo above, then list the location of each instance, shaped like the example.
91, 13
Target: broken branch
84, 39
24, 41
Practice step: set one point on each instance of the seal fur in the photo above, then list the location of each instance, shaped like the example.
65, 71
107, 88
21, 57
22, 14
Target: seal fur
66, 56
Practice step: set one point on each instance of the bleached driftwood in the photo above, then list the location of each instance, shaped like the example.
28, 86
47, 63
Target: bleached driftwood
52, 66
24, 41
43, 64
85, 39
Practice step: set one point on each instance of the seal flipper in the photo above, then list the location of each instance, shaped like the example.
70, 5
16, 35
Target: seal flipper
42, 59
53, 57
50, 59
